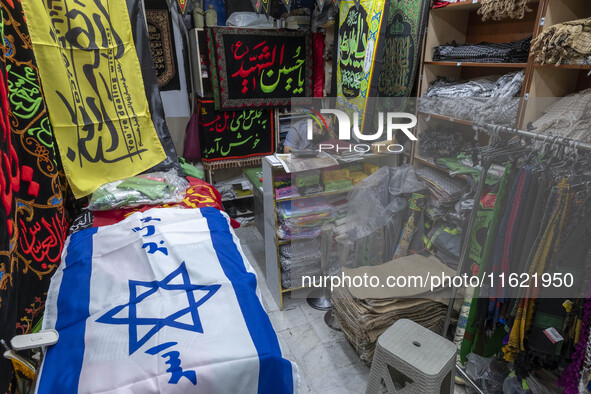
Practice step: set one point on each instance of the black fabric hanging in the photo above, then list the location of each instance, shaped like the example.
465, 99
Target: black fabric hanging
144, 53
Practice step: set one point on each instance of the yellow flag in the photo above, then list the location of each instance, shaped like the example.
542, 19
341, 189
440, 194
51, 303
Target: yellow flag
94, 90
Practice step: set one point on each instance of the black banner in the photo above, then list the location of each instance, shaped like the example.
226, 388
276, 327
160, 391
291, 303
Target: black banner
234, 134
260, 68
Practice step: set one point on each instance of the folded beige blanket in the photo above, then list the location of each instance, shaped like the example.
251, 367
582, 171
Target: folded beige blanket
565, 42
501, 9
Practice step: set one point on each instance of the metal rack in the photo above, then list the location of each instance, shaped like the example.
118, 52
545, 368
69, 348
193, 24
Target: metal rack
480, 187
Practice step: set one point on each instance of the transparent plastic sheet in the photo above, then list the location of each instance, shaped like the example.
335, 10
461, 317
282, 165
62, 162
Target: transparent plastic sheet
489, 374
155, 188
514, 385
377, 215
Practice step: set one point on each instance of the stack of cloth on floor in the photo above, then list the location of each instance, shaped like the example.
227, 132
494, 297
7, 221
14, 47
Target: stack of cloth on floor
484, 52
501, 9
485, 100
568, 42
364, 313
303, 218
569, 117
299, 258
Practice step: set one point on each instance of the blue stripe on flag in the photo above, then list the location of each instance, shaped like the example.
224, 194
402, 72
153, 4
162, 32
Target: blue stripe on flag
275, 373
64, 359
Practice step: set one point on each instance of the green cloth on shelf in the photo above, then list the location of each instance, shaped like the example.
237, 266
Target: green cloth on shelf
455, 165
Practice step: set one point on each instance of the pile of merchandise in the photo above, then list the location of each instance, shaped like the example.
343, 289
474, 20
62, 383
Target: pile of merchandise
303, 218
305, 256
441, 141
485, 100
501, 9
484, 52
443, 190
568, 42
328, 180
569, 117
365, 313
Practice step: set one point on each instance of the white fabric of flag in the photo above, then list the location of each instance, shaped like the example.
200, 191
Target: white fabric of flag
163, 302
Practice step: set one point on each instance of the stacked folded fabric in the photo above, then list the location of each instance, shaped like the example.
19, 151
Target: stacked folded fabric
486, 100
441, 141
484, 52
569, 117
298, 258
291, 274
501, 9
443, 190
303, 218
365, 313
568, 42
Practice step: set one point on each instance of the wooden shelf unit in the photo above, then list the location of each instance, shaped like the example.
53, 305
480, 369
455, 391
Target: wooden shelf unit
272, 242
477, 64
547, 83
543, 84
564, 66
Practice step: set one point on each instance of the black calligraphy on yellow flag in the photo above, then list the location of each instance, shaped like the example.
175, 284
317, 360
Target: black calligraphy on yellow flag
94, 90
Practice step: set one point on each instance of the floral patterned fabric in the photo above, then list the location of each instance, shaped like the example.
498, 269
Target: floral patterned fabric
32, 218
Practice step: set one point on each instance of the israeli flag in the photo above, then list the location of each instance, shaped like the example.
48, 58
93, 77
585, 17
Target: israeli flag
162, 302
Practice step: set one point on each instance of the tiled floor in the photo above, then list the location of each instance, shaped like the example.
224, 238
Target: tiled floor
328, 363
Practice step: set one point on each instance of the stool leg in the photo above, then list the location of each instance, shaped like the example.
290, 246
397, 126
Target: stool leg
374, 380
447, 386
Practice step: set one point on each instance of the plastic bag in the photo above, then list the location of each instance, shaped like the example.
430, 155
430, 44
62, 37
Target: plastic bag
249, 19
488, 373
514, 385
379, 209
155, 188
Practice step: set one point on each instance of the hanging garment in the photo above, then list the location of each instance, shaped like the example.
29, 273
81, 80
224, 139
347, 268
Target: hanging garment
144, 53
505, 241
32, 218
164, 301
577, 370
525, 311
482, 239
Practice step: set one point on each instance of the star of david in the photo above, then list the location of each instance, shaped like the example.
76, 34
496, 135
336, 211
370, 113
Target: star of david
157, 323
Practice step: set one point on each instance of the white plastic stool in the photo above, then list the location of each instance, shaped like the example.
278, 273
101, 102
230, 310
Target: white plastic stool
412, 359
